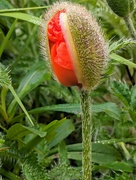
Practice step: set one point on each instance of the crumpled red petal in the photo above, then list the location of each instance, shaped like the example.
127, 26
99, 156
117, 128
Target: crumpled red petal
62, 65
61, 56
54, 29
61, 60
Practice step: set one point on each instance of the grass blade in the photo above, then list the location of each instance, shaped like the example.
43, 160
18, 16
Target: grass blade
23, 16
4, 43
20, 103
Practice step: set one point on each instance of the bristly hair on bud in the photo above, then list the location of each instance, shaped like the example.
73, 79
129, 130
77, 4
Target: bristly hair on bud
73, 45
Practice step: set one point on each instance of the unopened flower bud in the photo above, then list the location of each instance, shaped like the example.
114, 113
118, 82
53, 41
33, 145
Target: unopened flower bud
73, 44
121, 7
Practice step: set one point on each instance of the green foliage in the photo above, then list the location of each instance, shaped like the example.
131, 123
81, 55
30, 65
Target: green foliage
133, 97
121, 7
40, 124
4, 77
32, 170
121, 91
32, 79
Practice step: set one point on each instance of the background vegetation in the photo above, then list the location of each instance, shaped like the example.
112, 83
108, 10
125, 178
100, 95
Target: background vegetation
51, 149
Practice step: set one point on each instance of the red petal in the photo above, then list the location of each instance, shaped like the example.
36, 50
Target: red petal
54, 29
61, 61
61, 56
62, 65
65, 76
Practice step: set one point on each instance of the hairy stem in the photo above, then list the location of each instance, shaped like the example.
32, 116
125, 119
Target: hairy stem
130, 26
86, 136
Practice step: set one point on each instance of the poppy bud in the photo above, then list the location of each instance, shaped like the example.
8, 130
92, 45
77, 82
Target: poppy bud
121, 7
73, 44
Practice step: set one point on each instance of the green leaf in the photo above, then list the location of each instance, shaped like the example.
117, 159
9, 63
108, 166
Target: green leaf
56, 131
23, 16
3, 26
1, 142
75, 155
9, 174
121, 91
121, 44
99, 152
32, 169
62, 149
121, 60
69, 108
33, 78
5, 41
5, 80
109, 108
17, 100
133, 97
119, 166
11, 9
18, 130
75, 147
3, 113
59, 131
4, 4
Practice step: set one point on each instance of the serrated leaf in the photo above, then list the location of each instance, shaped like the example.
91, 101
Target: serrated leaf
32, 169
133, 97
4, 76
18, 130
63, 159
121, 91
121, 44
114, 23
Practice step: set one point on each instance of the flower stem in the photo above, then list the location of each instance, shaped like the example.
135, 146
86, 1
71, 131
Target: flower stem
130, 26
86, 135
